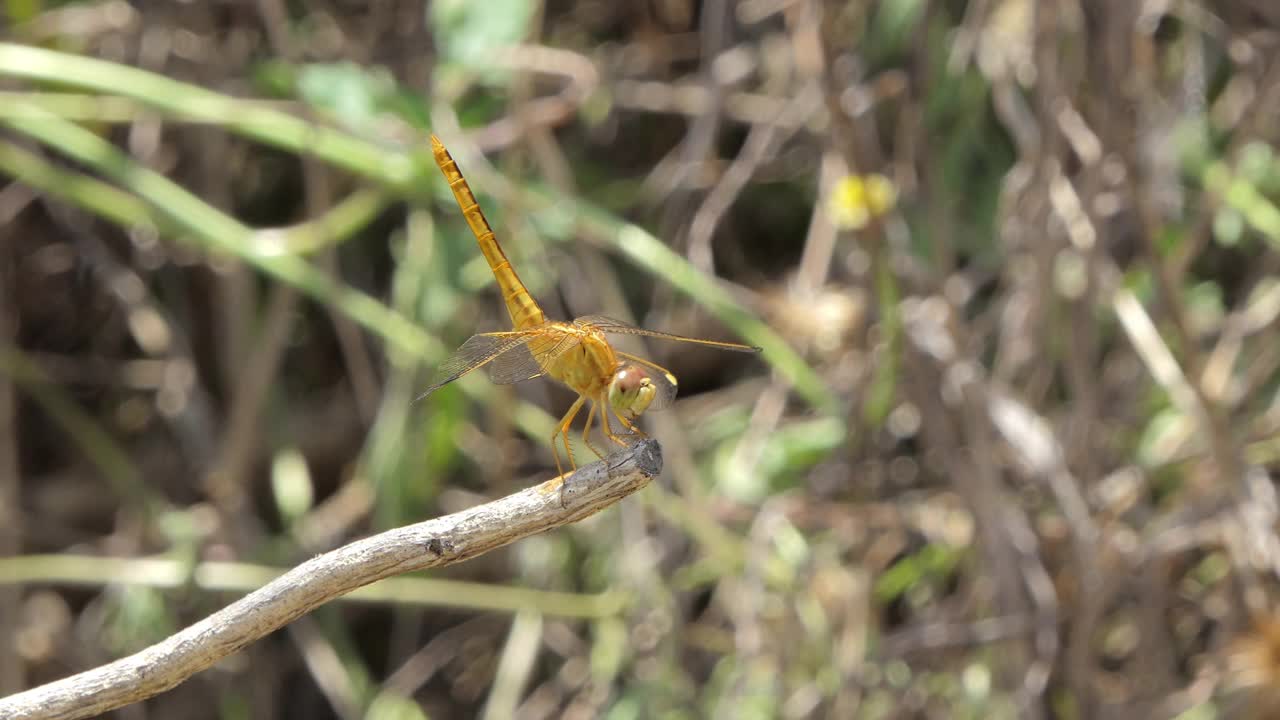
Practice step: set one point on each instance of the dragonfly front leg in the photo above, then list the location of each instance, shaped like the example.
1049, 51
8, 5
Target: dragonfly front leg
586, 430
562, 432
631, 426
605, 410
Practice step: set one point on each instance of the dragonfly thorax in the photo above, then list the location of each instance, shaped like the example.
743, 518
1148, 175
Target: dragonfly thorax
631, 390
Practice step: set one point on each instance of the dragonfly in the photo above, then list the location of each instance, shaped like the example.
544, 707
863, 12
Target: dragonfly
613, 385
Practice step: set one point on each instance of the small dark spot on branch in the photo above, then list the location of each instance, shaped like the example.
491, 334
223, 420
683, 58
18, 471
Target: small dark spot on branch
439, 547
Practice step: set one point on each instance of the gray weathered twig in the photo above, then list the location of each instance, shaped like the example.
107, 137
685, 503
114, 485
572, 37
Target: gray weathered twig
434, 543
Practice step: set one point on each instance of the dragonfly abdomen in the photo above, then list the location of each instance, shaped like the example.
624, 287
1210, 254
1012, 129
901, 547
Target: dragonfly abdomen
524, 310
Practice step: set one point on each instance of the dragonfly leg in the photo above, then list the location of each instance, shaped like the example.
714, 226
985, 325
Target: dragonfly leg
562, 432
605, 409
586, 430
631, 426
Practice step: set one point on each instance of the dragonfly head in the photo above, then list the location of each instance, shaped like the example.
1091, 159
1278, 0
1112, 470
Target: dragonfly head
631, 390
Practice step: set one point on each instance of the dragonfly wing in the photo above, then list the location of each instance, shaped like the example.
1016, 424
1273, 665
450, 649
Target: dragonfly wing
665, 383
483, 349
617, 327
529, 359
514, 365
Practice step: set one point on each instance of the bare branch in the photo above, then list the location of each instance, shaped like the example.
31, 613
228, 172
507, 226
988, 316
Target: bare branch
434, 543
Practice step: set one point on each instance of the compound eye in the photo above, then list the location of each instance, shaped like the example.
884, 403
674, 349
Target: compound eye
631, 391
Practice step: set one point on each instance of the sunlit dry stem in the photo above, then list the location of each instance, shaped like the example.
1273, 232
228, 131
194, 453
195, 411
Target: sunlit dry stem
434, 543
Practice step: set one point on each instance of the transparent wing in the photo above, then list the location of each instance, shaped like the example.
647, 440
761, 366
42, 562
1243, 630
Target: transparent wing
666, 384
617, 327
528, 360
507, 355
480, 350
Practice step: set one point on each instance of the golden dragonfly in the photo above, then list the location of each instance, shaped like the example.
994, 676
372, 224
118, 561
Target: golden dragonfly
577, 354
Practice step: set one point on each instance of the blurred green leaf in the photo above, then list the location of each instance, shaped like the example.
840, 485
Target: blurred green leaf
468, 33
291, 485
1242, 195
608, 651
21, 11
1204, 306
893, 21
275, 78
184, 533
1194, 145
788, 451
1166, 432
1214, 568
976, 680
1138, 281
1255, 162
233, 705
402, 470
626, 708
1228, 227
136, 617
931, 562
790, 543
354, 94
390, 706
882, 393
973, 156
399, 168
742, 688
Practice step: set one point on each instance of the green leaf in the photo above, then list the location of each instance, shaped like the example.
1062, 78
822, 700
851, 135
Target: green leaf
291, 484
353, 94
21, 11
135, 617
894, 20
883, 391
389, 706
468, 33
1205, 305
609, 651
1163, 436
1256, 159
788, 451
931, 562
1193, 142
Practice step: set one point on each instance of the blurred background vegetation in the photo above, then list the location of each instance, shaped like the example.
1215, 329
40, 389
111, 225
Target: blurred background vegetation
1008, 451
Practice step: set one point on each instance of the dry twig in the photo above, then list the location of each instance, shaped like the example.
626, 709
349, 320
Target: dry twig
434, 543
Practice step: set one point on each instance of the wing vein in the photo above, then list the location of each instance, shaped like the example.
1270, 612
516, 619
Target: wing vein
617, 327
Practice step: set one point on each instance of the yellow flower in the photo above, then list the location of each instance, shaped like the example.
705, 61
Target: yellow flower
858, 198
